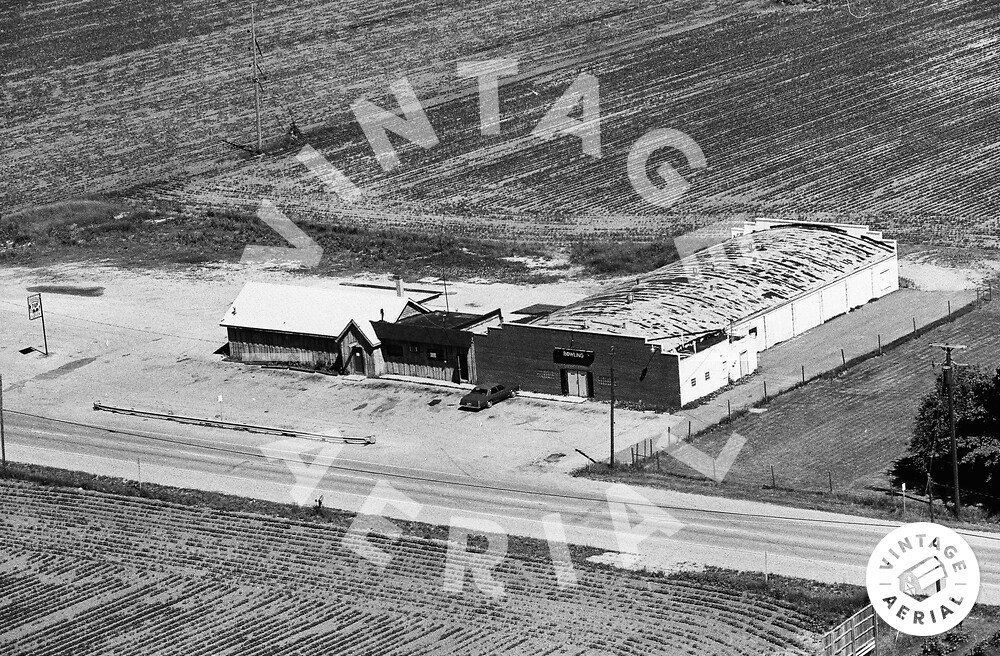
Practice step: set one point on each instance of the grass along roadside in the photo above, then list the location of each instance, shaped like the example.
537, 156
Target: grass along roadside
875, 504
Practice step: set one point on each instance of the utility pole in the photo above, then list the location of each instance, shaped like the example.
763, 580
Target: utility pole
949, 381
3, 443
255, 78
930, 491
612, 461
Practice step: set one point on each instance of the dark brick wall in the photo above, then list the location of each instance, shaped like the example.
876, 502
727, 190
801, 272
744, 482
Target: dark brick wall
515, 354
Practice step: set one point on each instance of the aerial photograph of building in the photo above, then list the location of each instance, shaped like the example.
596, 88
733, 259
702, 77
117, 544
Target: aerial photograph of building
573, 328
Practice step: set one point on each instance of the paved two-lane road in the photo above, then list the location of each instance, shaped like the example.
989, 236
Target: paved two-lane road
714, 531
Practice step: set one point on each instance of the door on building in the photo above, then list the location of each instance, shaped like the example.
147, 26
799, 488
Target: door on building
358, 358
576, 383
744, 364
463, 367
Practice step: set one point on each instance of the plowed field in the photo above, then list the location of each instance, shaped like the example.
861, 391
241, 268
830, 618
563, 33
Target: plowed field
82, 572
888, 119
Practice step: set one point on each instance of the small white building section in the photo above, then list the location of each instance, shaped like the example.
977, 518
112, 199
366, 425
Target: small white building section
704, 371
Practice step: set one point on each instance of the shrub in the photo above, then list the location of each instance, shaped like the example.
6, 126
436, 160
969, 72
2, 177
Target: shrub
619, 257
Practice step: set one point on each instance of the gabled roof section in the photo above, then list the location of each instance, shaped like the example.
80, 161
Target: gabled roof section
766, 265
322, 312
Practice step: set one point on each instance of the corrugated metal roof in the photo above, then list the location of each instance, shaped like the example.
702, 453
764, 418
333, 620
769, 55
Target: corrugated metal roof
725, 283
313, 310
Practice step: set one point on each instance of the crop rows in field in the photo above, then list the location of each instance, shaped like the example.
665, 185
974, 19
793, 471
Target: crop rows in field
816, 114
853, 425
86, 573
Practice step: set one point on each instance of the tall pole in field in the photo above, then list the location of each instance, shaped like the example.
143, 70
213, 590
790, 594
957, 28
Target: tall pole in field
3, 443
612, 461
949, 381
255, 79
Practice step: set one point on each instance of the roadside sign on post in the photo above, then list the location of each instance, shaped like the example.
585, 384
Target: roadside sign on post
35, 312
34, 306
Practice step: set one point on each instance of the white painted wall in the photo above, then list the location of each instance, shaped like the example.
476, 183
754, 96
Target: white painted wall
778, 325
806, 313
809, 311
721, 363
834, 300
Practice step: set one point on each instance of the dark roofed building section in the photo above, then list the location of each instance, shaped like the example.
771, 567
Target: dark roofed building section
539, 309
442, 319
438, 345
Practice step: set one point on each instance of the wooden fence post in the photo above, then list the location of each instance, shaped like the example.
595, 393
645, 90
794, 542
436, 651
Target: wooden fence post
774, 483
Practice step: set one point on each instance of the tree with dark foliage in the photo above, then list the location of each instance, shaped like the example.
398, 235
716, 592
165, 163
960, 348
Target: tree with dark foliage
977, 431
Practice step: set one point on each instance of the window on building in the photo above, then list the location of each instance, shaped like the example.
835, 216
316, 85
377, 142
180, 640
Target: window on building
604, 380
753, 332
547, 374
414, 348
694, 381
436, 353
707, 375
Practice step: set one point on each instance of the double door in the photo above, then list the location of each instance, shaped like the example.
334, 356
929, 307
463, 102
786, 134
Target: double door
577, 383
